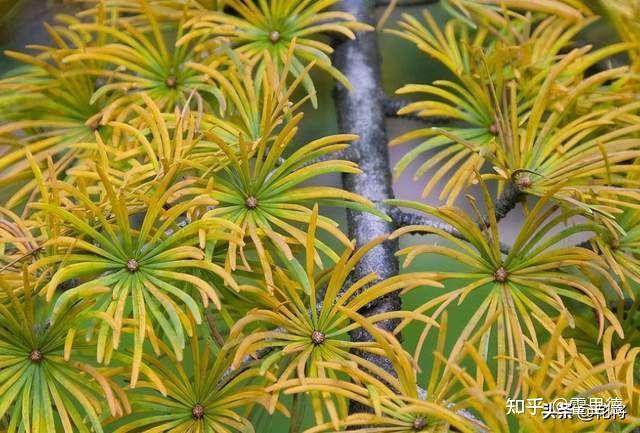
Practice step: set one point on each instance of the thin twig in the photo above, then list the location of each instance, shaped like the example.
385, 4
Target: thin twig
246, 363
392, 106
348, 154
213, 330
586, 244
505, 203
404, 219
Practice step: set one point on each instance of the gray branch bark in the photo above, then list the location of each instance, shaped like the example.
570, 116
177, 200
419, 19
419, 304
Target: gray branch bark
361, 112
505, 203
348, 154
392, 106
403, 219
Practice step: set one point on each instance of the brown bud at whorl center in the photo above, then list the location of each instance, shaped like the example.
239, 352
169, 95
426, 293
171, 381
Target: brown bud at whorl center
251, 202
524, 181
494, 128
132, 265
198, 411
615, 243
171, 82
274, 36
94, 125
501, 274
317, 337
36, 356
419, 423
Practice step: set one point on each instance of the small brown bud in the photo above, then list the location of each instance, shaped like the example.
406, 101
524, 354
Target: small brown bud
419, 423
198, 411
171, 82
318, 337
36, 356
274, 36
251, 202
493, 129
94, 125
132, 265
615, 243
501, 274
524, 181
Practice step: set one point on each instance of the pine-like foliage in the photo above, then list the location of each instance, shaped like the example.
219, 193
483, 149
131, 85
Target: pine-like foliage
168, 264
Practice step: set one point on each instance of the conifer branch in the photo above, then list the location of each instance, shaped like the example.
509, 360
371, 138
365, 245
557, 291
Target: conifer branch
505, 203
403, 219
360, 111
348, 154
392, 106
